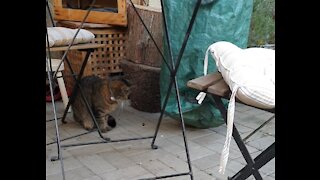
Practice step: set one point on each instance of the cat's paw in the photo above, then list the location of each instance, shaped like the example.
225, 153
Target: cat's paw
88, 126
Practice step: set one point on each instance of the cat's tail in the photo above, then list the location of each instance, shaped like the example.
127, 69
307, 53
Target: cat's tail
111, 121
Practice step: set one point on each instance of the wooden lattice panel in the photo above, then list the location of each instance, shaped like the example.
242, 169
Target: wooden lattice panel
107, 59
103, 61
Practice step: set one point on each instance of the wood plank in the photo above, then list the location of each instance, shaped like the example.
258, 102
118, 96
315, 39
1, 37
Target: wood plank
220, 88
74, 25
203, 82
77, 47
215, 85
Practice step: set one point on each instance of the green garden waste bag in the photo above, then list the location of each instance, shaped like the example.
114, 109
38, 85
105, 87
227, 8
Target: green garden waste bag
220, 20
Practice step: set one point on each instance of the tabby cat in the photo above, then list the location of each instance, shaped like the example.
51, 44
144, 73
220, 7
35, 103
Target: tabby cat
103, 96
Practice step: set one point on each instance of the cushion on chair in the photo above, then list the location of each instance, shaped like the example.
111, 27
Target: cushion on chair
252, 70
250, 74
61, 36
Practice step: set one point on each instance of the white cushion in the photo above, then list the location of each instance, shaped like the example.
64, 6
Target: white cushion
61, 36
252, 69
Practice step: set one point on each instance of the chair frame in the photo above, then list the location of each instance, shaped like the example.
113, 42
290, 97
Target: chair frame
173, 67
214, 85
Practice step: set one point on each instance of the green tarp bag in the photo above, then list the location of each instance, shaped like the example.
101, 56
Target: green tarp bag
220, 20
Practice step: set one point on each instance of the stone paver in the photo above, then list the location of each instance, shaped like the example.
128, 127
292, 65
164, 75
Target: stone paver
74, 174
135, 159
96, 164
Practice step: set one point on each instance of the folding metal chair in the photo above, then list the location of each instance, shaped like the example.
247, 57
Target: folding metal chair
214, 85
173, 67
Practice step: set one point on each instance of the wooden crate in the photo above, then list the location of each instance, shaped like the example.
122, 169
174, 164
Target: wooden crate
103, 61
97, 15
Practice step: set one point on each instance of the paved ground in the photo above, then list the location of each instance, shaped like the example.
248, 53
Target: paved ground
135, 159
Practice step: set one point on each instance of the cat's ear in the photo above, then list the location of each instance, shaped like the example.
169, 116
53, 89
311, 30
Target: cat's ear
120, 78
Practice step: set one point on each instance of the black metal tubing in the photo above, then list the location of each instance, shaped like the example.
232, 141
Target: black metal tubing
167, 176
265, 156
173, 70
53, 119
167, 36
243, 149
74, 37
252, 166
48, 63
260, 161
106, 141
50, 14
175, 67
77, 87
71, 137
261, 126
75, 91
50, 77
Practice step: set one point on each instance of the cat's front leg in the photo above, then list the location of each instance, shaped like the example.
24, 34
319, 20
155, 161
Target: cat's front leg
84, 118
88, 124
102, 123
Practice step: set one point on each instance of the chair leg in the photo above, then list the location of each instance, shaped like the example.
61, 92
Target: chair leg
243, 149
63, 91
260, 161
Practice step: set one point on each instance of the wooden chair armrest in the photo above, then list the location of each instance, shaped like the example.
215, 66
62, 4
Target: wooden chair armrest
203, 82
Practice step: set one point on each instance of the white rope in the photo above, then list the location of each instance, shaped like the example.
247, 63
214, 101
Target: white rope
230, 117
200, 97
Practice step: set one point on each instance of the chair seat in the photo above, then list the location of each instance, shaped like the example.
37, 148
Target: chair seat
61, 36
215, 84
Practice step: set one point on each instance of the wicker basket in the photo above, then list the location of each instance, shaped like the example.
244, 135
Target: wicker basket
103, 61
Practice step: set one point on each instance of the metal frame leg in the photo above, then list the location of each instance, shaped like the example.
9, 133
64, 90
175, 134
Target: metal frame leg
75, 90
55, 117
173, 70
260, 161
252, 166
77, 87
